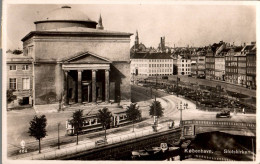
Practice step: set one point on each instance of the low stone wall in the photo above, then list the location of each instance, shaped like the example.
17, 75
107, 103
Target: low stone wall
123, 149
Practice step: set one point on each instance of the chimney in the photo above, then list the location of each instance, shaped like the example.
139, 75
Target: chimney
244, 44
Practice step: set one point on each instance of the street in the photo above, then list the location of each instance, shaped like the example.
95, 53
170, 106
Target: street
18, 121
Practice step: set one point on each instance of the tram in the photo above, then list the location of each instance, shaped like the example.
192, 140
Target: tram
92, 123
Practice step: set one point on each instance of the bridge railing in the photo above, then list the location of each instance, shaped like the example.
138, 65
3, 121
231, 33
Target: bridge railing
219, 123
66, 150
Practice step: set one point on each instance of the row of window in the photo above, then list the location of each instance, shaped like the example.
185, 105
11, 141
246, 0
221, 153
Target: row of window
251, 70
251, 64
140, 65
232, 70
183, 65
210, 66
160, 65
241, 70
241, 64
25, 83
232, 64
182, 69
241, 58
14, 67
153, 60
231, 58
161, 70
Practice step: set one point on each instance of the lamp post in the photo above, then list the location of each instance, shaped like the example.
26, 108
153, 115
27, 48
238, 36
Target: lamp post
58, 135
197, 99
177, 86
154, 112
179, 107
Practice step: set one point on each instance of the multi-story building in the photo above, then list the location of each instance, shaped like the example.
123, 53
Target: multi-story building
19, 78
242, 64
241, 69
184, 66
201, 64
231, 70
194, 67
251, 68
210, 64
151, 64
220, 68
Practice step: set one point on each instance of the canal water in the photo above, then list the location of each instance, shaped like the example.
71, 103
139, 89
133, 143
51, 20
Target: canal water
216, 146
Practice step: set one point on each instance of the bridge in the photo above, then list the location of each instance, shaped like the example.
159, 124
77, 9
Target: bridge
193, 127
123, 147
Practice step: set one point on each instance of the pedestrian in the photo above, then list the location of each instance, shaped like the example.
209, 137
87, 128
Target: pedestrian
244, 110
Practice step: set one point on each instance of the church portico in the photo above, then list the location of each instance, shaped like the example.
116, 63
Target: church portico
86, 85
86, 79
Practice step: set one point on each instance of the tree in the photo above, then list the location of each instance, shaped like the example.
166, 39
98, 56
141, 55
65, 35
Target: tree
105, 118
10, 95
77, 122
133, 113
37, 128
156, 109
17, 52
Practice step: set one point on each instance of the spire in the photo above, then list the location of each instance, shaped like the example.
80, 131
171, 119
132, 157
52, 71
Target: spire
136, 38
136, 41
100, 24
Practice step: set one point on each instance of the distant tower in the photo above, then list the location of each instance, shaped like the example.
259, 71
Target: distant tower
162, 44
136, 40
100, 24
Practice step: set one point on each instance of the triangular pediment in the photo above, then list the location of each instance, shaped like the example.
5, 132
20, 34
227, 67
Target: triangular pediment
86, 57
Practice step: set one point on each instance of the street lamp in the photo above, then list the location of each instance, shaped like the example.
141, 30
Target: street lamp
197, 99
179, 107
177, 86
58, 135
154, 112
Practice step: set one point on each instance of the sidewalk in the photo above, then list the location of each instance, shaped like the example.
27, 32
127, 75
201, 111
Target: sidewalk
87, 144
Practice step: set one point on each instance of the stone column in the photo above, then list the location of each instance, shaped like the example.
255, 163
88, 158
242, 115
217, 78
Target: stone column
65, 89
94, 97
107, 86
80, 86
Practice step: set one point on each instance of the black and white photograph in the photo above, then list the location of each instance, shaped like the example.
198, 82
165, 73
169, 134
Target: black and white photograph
129, 81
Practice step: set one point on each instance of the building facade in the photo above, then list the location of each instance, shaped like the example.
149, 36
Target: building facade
251, 69
76, 60
184, 66
19, 78
151, 64
231, 65
194, 67
201, 65
210, 65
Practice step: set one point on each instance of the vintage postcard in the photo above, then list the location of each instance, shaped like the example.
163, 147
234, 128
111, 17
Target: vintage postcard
129, 81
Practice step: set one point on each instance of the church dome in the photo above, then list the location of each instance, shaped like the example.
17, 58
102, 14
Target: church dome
66, 13
64, 17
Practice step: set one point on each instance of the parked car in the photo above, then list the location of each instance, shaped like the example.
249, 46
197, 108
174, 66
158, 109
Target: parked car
223, 113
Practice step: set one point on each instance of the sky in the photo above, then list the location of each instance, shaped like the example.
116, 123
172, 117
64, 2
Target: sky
182, 25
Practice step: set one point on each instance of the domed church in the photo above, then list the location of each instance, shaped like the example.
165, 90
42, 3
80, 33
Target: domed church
76, 60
